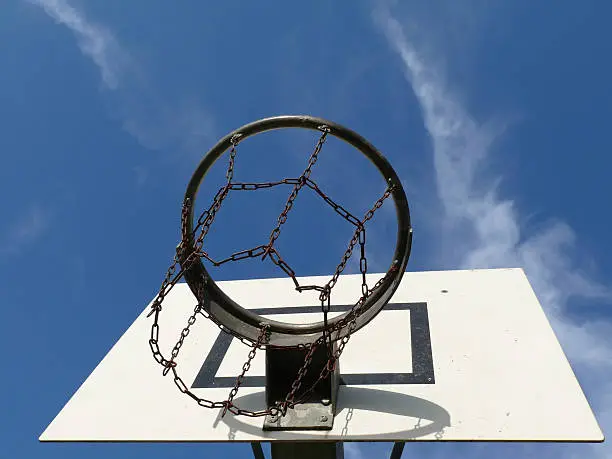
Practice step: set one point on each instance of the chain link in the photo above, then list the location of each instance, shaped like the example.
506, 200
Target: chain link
185, 260
282, 218
264, 336
230, 168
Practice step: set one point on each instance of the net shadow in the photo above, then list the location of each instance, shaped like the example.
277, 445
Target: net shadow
428, 418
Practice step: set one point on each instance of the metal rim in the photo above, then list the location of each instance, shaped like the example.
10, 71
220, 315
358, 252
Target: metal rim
241, 321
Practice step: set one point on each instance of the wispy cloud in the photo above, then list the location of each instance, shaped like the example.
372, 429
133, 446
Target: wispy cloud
154, 121
486, 229
25, 230
95, 41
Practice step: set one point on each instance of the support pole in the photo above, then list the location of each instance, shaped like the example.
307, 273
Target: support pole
398, 449
257, 450
307, 450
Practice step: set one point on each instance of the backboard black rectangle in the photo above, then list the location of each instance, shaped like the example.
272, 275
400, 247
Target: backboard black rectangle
422, 359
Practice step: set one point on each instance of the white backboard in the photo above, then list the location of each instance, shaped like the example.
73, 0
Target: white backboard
455, 355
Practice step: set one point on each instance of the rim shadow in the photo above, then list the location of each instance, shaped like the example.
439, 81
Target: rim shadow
350, 399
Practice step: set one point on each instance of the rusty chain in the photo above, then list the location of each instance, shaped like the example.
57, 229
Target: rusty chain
264, 336
282, 218
184, 260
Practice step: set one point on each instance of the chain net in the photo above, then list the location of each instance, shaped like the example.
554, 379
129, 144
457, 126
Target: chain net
268, 250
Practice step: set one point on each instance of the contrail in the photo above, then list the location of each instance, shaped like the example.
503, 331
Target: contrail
156, 123
485, 229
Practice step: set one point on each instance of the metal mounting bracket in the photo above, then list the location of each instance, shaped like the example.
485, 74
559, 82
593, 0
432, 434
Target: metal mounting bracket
319, 409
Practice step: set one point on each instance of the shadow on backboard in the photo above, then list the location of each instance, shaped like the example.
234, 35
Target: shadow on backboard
426, 417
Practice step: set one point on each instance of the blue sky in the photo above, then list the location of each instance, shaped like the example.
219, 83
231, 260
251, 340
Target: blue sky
494, 113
